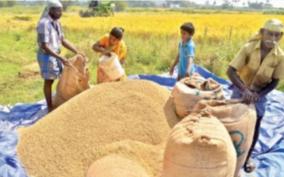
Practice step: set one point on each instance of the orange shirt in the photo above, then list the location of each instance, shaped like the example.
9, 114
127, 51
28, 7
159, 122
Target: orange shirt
120, 49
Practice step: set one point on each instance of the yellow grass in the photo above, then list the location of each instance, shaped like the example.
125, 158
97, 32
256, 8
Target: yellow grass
214, 26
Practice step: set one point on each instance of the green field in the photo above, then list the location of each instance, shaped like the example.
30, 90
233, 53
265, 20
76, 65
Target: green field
148, 52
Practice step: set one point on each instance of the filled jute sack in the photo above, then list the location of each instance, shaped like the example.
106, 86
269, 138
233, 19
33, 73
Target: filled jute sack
238, 118
199, 146
68, 140
74, 80
110, 69
116, 166
190, 90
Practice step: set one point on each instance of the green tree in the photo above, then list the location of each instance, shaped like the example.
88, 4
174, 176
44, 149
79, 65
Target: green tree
2, 4
66, 4
11, 3
256, 5
227, 5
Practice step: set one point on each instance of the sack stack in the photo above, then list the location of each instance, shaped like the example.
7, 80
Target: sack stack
198, 96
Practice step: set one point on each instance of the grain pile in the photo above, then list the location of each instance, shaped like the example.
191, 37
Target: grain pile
116, 166
96, 123
150, 157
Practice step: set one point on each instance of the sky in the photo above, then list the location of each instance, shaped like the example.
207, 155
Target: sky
275, 3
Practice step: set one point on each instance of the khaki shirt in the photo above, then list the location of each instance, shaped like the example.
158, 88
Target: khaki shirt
252, 72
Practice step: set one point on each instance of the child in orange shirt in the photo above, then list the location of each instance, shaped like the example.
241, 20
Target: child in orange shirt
112, 42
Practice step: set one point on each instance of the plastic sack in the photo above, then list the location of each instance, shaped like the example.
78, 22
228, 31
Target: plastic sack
110, 69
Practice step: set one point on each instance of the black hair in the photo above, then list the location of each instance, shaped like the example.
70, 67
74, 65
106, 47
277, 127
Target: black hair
117, 32
188, 27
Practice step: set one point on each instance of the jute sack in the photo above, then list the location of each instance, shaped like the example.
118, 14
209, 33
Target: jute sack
74, 80
190, 90
116, 166
199, 146
238, 118
110, 69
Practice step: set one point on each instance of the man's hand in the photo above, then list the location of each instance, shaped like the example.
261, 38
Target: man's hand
171, 71
256, 96
65, 61
69, 46
250, 97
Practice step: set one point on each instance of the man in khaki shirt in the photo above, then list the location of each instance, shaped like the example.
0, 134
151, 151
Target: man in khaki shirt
256, 71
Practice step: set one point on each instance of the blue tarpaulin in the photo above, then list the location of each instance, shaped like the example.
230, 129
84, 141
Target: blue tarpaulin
268, 154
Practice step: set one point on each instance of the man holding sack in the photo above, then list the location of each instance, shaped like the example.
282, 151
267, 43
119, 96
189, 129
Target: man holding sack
256, 71
50, 39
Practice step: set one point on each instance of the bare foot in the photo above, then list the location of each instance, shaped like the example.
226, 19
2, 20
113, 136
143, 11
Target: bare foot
249, 166
50, 109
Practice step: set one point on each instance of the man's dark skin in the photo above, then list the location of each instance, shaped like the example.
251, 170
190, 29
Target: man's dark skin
55, 13
251, 96
268, 41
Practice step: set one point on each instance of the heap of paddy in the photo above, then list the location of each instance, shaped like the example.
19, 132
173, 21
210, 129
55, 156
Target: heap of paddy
131, 118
